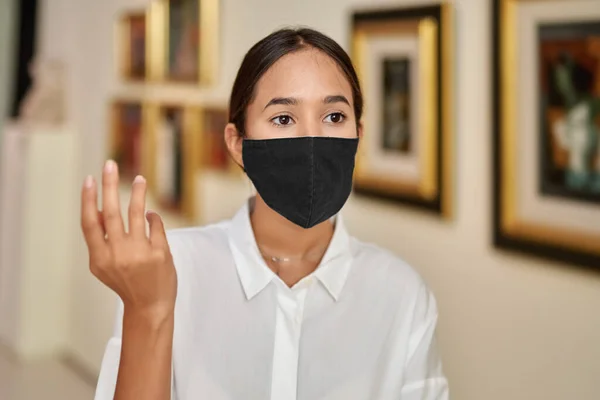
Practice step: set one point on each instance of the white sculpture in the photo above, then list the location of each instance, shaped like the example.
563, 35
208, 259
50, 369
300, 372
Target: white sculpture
45, 103
577, 134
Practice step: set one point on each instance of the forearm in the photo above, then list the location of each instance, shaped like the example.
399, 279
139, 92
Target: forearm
146, 358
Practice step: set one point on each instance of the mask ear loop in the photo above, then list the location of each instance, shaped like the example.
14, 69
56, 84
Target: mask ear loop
251, 187
243, 136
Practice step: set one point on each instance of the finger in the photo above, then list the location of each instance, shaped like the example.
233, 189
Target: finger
101, 218
91, 224
111, 208
137, 207
158, 237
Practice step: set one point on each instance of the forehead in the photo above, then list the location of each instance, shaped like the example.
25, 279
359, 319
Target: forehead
306, 74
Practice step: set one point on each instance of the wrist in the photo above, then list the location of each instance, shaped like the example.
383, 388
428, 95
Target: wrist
149, 318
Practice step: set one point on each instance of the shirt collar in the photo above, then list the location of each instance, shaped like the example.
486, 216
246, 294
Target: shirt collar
255, 275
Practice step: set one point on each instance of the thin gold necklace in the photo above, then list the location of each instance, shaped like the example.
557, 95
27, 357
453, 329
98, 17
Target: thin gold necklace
279, 259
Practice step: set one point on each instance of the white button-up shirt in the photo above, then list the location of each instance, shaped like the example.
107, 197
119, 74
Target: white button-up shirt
360, 327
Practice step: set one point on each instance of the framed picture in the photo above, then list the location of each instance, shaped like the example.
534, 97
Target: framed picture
132, 45
173, 153
404, 59
547, 128
213, 150
188, 31
126, 139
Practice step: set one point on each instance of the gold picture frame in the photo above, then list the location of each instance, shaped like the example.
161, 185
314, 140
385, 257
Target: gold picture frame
405, 62
196, 59
536, 210
173, 154
133, 46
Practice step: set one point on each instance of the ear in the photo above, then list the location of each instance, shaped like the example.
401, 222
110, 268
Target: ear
359, 131
234, 140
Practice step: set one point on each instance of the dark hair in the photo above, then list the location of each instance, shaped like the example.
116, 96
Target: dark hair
270, 49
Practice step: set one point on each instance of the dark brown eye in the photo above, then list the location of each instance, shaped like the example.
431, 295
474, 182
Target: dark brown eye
336, 118
282, 120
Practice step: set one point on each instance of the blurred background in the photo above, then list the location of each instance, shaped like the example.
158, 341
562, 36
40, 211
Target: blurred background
480, 167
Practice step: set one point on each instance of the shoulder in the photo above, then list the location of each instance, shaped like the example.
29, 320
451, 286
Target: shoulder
375, 260
197, 244
200, 255
182, 239
394, 277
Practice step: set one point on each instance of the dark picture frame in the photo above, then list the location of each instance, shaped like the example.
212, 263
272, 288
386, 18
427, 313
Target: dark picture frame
24, 52
412, 91
127, 142
187, 38
213, 151
134, 46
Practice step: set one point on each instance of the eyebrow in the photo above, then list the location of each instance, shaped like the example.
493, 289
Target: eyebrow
336, 99
285, 101
292, 101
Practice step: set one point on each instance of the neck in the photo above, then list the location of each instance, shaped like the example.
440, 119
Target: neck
281, 238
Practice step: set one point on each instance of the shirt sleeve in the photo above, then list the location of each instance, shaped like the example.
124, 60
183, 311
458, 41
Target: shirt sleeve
424, 377
109, 369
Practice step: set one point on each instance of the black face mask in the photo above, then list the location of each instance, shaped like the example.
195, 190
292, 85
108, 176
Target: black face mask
305, 179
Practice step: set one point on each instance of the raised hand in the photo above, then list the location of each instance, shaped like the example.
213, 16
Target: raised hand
137, 267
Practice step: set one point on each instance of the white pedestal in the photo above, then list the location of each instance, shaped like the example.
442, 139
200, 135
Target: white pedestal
37, 206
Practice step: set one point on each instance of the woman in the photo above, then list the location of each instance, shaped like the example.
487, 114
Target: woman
279, 302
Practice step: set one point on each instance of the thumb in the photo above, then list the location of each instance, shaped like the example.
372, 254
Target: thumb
158, 237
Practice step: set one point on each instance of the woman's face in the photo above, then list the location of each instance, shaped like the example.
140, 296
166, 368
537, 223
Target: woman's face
303, 94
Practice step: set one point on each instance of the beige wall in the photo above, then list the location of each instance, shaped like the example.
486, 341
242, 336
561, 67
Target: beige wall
511, 327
